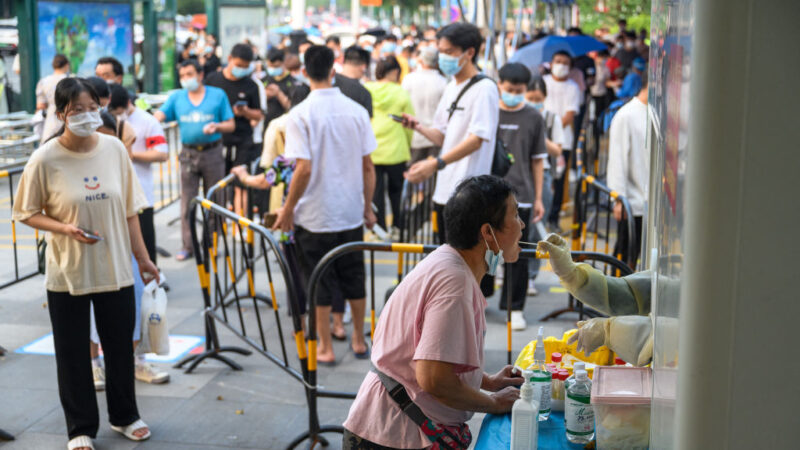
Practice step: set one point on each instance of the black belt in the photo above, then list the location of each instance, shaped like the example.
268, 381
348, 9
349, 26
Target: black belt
201, 147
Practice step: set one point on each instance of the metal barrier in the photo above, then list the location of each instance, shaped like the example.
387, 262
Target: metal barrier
24, 247
418, 223
169, 172
594, 202
228, 303
314, 392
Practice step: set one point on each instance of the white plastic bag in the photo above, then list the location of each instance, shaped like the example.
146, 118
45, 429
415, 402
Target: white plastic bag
155, 332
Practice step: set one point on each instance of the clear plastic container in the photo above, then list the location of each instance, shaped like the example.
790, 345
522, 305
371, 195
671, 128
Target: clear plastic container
621, 399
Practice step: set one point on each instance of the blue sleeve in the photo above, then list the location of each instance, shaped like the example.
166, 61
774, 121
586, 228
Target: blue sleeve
168, 108
630, 86
224, 112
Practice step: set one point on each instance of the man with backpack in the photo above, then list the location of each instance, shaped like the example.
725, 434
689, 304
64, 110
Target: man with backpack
465, 122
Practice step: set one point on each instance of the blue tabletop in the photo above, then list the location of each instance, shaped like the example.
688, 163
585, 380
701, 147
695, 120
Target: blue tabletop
496, 433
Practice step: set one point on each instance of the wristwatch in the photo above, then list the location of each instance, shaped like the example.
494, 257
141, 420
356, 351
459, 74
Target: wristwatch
440, 163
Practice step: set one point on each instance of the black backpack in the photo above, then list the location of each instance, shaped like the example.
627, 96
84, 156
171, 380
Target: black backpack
501, 160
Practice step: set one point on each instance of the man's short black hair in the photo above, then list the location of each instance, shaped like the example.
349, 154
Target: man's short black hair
191, 62
116, 66
119, 97
100, 86
476, 201
563, 53
538, 84
319, 62
276, 54
644, 80
515, 73
242, 51
334, 39
464, 36
59, 61
356, 55
576, 30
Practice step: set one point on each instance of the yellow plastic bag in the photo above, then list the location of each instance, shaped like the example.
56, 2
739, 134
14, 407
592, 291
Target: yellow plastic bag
603, 356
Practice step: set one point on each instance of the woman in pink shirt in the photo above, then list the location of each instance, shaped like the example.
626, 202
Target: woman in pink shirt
430, 336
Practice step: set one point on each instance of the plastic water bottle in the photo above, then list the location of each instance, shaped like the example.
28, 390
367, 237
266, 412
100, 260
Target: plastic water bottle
524, 418
571, 379
579, 414
541, 377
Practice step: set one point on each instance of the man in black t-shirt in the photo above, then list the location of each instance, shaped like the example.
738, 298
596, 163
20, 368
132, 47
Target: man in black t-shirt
280, 86
356, 64
243, 95
209, 59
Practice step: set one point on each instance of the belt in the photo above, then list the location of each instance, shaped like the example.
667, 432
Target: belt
201, 147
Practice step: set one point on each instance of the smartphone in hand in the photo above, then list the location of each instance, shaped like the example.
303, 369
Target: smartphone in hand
240, 104
90, 234
396, 118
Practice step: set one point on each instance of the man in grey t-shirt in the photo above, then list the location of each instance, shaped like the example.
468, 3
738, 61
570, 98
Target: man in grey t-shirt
522, 130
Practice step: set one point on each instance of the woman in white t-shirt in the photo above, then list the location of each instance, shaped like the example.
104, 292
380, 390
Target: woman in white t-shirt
80, 187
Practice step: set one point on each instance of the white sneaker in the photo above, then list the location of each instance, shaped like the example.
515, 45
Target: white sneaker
532, 289
518, 321
348, 315
149, 374
99, 375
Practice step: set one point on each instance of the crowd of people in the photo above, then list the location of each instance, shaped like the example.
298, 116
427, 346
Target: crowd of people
342, 129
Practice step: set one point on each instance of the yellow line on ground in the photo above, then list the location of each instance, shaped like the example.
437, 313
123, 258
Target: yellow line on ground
19, 247
557, 290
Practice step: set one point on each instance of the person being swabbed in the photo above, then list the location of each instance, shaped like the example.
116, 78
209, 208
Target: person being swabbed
629, 330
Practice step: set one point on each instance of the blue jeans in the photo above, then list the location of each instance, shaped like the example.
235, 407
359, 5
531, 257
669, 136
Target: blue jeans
533, 234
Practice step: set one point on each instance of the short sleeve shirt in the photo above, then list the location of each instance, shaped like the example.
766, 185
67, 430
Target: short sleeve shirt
97, 190
334, 133
476, 114
192, 118
287, 84
563, 97
352, 89
523, 132
243, 89
149, 136
437, 313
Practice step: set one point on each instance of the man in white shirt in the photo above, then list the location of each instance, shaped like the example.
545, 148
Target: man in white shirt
425, 86
465, 131
629, 168
330, 195
45, 95
563, 98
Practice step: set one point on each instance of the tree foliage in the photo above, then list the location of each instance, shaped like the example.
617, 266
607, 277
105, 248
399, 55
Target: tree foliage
191, 7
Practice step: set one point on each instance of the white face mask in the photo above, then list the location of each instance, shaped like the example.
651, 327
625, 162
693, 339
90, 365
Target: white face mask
560, 70
84, 124
493, 260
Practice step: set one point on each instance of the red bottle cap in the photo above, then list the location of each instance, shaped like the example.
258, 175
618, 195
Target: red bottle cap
563, 374
556, 357
619, 361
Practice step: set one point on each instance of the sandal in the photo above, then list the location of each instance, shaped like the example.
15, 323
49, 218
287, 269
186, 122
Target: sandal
128, 431
183, 255
80, 442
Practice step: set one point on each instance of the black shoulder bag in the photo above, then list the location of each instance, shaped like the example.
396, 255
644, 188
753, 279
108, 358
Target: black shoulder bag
501, 160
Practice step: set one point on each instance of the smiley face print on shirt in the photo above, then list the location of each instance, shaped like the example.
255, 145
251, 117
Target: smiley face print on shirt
92, 184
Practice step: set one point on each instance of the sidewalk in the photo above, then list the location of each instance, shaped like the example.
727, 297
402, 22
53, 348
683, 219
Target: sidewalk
214, 407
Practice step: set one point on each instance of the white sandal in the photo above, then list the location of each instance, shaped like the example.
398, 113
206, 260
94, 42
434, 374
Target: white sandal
128, 431
79, 442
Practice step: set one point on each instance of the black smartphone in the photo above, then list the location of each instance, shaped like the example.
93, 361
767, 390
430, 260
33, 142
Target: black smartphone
90, 234
396, 118
240, 103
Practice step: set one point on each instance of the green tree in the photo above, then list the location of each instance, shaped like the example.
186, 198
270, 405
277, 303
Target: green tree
191, 7
636, 12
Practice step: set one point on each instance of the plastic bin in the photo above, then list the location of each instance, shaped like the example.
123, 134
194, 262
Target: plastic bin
621, 399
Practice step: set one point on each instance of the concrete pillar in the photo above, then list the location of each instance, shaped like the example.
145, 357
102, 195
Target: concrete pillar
355, 14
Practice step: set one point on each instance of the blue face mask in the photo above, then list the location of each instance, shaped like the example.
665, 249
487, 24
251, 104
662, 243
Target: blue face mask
274, 71
512, 100
412, 64
241, 72
190, 84
369, 48
302, 58
388, 47
539, 106
492, 260
449, 64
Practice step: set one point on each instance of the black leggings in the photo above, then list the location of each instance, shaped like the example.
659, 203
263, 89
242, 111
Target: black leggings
394, 185
148, 232
114, 313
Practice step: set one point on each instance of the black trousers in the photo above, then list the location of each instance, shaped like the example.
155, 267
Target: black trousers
114, 314
487, 283
389, 178
148, 232
558, 191
624, 243
519, 275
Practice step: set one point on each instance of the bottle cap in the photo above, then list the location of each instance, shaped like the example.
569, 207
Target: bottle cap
551, 367
539, 352
619, 361
563, 374
578, 366
581, 375
556, 357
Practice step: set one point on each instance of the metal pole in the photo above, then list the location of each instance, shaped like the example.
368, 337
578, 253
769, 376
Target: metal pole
532, 24
212, 12
502, 40
355, 14
152, 68
27, 24
490, 37
518, 25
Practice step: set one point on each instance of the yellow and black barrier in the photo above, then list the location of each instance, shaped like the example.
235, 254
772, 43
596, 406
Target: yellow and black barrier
417, 222
23, 251
236, 303
168, 173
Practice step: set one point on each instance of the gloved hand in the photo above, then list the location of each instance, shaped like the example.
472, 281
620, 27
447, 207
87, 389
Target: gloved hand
591, 335
561, 260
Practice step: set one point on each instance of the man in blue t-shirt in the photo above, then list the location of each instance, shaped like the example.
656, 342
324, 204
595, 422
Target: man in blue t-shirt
203, 113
